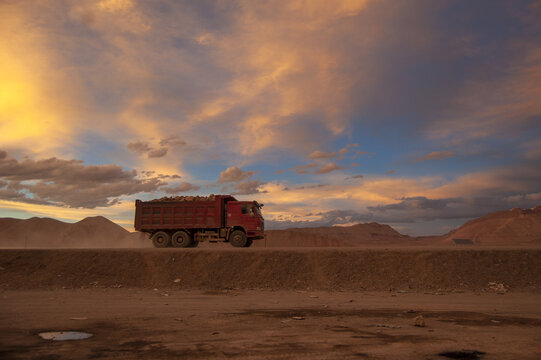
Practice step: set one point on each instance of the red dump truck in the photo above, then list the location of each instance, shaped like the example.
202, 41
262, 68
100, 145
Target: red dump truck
184, 221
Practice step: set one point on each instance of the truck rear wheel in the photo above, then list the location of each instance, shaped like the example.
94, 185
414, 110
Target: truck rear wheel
161, 239
181, 239
238, 238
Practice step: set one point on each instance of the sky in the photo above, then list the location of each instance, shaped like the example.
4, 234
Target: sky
417, 114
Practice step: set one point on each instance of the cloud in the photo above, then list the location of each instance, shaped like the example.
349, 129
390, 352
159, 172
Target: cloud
143, 147
330, 167
183, 187
321, 155
234, 174
390, 171
173, 141
70, 182
359, 176
436, 155
278, 172
139, 147
161, 152
249, 187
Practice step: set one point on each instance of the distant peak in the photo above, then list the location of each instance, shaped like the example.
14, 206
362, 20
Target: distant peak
95, 219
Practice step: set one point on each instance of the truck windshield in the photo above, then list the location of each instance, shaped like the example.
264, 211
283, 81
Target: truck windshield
258, 211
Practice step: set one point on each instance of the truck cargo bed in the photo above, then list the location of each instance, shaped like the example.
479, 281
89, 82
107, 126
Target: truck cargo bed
205, 214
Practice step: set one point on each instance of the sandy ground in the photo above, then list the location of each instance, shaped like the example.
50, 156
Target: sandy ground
176, 324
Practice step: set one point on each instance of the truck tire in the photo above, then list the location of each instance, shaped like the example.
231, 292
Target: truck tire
181, 239
161, 239
238, 238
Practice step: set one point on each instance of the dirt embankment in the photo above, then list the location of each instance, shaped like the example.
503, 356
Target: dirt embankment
91, 232
324, 269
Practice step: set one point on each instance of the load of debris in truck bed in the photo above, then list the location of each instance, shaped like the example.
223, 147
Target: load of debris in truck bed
211, 197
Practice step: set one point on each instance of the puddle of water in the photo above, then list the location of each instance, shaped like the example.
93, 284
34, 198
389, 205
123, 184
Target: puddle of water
64, 335
463, 354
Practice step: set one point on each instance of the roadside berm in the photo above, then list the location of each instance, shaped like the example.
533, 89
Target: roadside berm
333, 269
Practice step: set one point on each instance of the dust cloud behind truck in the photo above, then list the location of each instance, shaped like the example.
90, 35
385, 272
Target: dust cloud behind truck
187, 220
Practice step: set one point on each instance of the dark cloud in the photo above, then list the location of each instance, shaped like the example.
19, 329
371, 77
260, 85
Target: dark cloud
139, 147
240, 180
158, 153
412, 203
306, 187
173, 141
417, 210
234, 174
142, 147
248, 187
183, 187
328, 218
359, 176
436, 155
70, 182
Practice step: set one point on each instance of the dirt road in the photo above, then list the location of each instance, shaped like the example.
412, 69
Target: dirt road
272, 304
172, 324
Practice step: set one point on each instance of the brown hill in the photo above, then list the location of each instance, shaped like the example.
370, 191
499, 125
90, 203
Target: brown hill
91, 232
337, 236
510, 227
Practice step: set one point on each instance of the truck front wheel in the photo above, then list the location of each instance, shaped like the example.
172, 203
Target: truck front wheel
160, 239
238, 239
181, 239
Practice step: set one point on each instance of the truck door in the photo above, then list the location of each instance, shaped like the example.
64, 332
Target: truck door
242, 214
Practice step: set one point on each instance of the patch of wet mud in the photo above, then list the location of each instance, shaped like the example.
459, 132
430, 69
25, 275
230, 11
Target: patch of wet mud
64, 335
382, 337
457, 317
463, 354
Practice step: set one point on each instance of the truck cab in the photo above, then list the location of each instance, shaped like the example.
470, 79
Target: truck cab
246, 215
